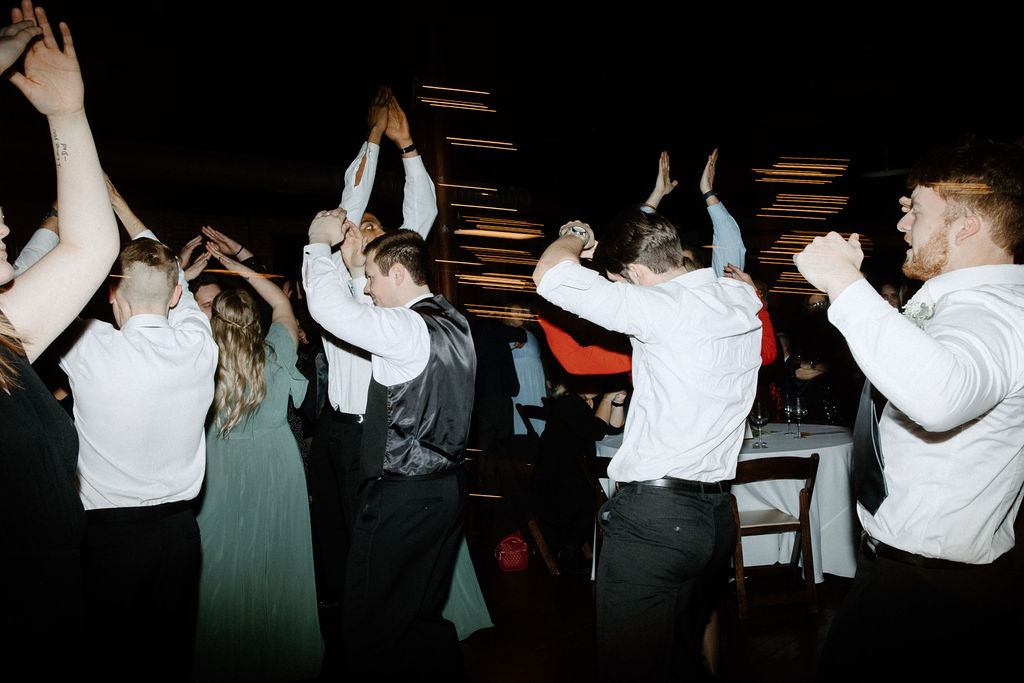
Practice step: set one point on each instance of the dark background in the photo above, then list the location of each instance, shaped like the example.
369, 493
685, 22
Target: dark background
245, 116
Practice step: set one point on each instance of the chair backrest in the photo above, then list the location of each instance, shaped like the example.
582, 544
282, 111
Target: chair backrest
526, 412
786, 467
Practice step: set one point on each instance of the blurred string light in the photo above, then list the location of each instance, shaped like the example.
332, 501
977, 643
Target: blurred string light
501, 227
500, 312
448, 102
791, 243
809, 205
503, 281
517, 257
486, 144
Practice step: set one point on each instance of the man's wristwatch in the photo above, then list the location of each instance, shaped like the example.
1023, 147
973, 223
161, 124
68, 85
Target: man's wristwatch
577, 231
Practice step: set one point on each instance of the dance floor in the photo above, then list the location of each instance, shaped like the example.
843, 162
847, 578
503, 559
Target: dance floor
544, 630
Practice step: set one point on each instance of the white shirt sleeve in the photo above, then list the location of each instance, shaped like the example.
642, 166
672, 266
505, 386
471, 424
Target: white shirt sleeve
419, 202
355, 196
941, 378
38, 246
397, 337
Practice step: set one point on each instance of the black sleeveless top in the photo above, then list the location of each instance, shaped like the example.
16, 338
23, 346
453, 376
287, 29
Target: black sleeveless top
39, 500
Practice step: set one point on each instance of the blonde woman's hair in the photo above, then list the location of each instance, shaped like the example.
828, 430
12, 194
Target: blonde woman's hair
241, 386
11, 343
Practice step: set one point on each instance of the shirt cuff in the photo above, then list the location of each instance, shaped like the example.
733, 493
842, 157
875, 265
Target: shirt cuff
856, 302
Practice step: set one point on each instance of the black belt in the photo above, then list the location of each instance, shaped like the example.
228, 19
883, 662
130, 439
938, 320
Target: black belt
872, 548
141, 513
682, 485
346, 418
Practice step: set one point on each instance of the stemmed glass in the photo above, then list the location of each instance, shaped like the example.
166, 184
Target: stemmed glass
799, 412
787, 410
759, 418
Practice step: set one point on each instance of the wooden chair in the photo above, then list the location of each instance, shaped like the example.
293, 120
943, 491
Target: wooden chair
772, 521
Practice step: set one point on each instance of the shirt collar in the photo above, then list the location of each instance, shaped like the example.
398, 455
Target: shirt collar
145, 320
421, 297
975, 276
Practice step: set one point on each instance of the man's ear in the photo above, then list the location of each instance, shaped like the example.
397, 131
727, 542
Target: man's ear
638, 273
175, 295
113, 293
397, 274
971, 226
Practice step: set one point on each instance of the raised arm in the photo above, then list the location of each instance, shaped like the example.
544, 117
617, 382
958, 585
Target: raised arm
727, 246
280, 307
361, 173
43, 240
663, 183
49, 295
419, 201
133, 225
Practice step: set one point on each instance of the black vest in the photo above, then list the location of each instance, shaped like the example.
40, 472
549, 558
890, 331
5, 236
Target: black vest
421, 426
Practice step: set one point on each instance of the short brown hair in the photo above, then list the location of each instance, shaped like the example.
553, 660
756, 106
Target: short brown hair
154, 256
636, 236
404, 247
979, 177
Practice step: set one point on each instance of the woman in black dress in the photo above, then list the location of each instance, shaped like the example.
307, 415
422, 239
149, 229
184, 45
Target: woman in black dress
43, 519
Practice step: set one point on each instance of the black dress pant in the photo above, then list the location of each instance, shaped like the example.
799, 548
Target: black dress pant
906, 622
401, 561
141, 590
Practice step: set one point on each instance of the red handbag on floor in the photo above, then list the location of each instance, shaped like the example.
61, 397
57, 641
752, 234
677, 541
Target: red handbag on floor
512, 553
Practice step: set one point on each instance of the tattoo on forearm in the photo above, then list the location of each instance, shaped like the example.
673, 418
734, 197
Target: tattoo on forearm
60, 149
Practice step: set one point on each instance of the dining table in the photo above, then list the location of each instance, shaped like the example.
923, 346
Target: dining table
833, 511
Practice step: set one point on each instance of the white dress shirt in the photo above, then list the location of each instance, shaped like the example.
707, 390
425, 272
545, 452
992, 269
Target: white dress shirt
348, 367
696, 352
141, 395
396, 337
952, 434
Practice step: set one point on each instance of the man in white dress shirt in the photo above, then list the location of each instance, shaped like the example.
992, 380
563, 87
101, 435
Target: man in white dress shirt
669, 532
412, 486
141, 393
336, 445
936, 593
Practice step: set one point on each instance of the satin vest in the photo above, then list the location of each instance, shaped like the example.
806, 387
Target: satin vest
421, 426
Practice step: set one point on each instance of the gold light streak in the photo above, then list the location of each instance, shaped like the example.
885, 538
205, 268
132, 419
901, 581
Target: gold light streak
458, 263
466, 144
501, 220
803, 218
496, 233
793, 180
441, 87
962, 188
486, 142
500, 312
465, 103
480, 206
499, 281
468, 187
469, 106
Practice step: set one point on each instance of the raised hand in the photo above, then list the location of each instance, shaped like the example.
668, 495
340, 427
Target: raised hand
328, 227
707, 178
223, 243
663, 183
831, 263
52, 80
185, 255
16, 37
196, 267
353, 248
398, 125
737, 274
377, 113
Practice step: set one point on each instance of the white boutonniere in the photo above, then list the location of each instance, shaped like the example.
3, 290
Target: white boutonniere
920, 307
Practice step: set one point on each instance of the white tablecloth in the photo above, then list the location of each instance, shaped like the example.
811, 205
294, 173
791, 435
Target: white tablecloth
833, 512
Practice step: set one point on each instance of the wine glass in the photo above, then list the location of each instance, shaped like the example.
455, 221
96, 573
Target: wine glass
799, 412
759, 418
787, 410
